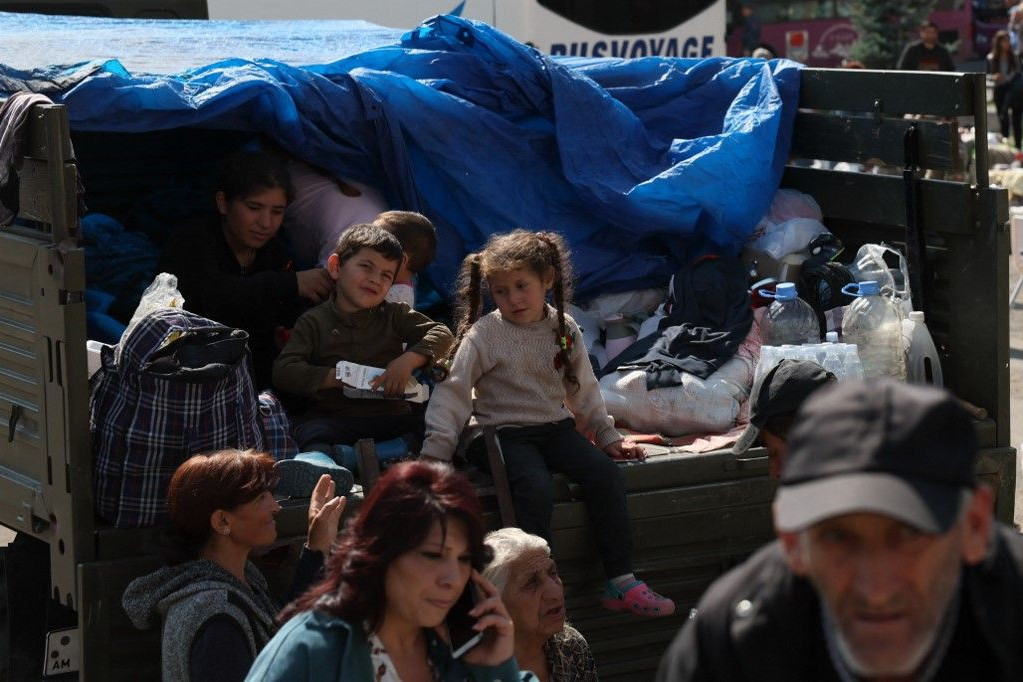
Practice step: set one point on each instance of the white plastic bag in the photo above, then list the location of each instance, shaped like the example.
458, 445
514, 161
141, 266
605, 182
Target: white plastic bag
787, 205
638, 303
589, 325
870, 264
788, 237
162, 293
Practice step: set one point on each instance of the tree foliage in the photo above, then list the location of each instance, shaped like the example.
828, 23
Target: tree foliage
884, 27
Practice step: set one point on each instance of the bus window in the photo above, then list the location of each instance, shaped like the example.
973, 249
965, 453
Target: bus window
625, 17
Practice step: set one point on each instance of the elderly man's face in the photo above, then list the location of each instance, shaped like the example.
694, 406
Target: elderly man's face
885, 584
534, 596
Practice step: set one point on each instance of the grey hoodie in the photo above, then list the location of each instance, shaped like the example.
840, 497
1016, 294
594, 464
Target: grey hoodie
186, 596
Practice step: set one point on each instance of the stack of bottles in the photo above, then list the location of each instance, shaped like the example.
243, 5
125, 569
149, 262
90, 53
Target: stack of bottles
880, 340
841, 359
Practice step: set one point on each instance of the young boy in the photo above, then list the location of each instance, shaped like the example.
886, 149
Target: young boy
356, 324
418, 240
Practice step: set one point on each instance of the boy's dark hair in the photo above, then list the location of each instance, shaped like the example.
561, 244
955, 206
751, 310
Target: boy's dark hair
927, 23
416, 233
366, 236
249, 171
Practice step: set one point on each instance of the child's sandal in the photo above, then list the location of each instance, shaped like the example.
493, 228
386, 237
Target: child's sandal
638, 599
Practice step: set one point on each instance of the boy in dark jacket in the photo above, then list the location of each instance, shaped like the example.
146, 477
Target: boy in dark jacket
357, 325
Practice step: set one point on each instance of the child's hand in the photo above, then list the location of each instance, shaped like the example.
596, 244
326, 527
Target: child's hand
330, 380
314, 284
398, 372
625, 452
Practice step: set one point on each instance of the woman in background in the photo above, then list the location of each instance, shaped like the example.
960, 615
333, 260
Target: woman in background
525, 573
1004, 68
216, 610
415, 545
233, 269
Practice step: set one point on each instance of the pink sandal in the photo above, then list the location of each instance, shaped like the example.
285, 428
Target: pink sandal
638, 599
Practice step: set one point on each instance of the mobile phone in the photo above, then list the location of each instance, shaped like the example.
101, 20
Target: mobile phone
459, 623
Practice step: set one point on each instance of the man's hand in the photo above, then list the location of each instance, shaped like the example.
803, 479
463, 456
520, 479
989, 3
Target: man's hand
398, 372
325, 510
314, 284
625, 452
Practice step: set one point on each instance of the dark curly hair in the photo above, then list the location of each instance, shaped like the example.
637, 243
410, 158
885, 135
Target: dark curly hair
396, 518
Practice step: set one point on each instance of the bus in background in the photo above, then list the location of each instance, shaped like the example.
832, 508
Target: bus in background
820, 32
584, 28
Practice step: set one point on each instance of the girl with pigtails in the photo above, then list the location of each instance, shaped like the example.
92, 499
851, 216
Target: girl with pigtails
523, 369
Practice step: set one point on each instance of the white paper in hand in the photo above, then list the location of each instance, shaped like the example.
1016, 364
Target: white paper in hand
359, 378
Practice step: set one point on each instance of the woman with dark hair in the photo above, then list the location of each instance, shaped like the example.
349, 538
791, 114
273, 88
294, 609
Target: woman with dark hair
1004, 68
233, 269
415, 545
216, 610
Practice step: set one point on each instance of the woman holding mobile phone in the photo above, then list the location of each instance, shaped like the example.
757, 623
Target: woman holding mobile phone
402, 565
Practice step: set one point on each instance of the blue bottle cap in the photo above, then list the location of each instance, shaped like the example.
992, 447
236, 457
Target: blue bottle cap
869, 288
785, 291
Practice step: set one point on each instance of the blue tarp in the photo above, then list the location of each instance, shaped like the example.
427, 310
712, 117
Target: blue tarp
640, 163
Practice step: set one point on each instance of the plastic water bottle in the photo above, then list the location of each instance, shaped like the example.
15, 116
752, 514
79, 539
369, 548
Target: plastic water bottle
874, 324
922, 363
789, 319
833, 353
853, 367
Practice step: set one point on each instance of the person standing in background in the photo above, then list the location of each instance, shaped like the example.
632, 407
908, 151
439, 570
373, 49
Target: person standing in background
1003, 67
926, 54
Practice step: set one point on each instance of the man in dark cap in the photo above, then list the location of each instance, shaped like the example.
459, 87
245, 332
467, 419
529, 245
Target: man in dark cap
773, 405
888, 564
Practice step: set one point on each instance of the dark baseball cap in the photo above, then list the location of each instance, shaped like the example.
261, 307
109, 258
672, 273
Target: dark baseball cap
782, 390
879, 446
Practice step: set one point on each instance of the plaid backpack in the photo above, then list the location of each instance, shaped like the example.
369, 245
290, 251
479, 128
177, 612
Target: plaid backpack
177, 385
276, 427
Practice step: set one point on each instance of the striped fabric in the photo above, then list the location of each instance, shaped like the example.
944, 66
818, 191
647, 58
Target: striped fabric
179, 384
